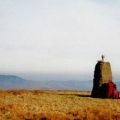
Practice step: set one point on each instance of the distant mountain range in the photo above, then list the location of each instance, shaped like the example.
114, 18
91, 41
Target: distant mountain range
11, 81
118, 86
16, 82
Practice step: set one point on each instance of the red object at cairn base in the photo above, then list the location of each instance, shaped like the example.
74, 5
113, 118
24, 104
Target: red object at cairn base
108, 90
112, 91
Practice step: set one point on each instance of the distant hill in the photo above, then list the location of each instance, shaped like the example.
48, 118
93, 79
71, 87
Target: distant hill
16, 82
11, 78
118, 85
66, 84
12, 82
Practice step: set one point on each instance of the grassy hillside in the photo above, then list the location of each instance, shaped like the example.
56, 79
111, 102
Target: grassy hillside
56, 105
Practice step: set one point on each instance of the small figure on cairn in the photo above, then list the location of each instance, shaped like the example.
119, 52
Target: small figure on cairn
103, 57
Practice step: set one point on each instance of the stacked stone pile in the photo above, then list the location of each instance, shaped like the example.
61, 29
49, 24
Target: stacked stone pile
102, 76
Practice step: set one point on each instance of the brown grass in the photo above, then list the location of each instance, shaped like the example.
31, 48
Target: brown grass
56, 105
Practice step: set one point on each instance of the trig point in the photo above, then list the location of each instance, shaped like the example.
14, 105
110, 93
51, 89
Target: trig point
102, 74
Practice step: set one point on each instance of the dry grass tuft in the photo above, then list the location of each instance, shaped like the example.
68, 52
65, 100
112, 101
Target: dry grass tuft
56, 105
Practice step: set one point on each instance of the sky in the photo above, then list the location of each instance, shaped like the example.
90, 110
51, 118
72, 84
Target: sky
58, 36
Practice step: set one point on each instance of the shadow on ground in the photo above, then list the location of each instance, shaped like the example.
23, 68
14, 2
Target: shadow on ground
78, 95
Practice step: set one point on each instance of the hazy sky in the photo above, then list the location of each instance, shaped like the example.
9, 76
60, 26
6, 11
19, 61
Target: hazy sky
65, 36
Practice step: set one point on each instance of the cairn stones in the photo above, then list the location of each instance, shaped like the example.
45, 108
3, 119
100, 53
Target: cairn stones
102, 75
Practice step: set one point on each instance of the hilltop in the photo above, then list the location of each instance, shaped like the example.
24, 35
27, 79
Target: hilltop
12, 82
56, 105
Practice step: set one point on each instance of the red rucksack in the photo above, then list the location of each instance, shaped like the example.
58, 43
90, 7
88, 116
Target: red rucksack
112, 92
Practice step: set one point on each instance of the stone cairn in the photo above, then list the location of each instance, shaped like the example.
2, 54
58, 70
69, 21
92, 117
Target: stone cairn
102, 76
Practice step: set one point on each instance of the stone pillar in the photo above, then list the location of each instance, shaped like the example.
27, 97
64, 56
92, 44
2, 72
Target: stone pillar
102, 74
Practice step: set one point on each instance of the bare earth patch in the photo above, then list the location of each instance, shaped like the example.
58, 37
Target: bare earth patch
56, 105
